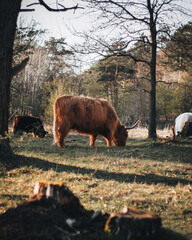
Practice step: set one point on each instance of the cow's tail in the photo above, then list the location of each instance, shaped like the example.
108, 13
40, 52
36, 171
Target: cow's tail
13, 129
55, 123
128, 128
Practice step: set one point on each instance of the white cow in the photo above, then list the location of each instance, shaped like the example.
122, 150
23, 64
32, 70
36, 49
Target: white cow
180, 122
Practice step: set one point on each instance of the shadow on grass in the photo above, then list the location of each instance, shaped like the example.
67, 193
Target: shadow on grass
158, 152
162, 234
22, 161
166, 234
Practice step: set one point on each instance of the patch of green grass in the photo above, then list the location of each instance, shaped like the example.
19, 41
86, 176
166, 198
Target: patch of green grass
144, 174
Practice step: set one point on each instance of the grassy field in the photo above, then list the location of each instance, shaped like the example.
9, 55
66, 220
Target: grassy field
144, 174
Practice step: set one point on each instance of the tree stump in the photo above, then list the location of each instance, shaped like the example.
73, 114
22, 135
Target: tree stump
57, 192
133, 223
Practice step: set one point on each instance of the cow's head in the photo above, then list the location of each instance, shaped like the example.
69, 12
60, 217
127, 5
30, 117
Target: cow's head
41, 133
121, 136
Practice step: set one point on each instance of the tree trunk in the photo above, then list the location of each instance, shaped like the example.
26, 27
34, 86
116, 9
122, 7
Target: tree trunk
152, 98
115, 89
152, 95
9, 11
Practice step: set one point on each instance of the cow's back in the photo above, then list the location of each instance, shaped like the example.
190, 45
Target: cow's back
28, 124
86, 115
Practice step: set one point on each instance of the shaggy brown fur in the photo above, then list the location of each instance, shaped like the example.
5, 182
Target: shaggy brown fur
88, 116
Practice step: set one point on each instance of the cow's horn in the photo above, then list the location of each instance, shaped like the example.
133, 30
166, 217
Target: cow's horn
127, 128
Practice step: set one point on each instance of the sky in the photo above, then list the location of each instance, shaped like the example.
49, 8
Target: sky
62, 24
57, 23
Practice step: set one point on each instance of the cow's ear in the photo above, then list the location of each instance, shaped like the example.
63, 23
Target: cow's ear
122, 127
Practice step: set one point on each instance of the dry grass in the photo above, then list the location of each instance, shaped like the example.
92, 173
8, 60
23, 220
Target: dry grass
142, 133
144, 174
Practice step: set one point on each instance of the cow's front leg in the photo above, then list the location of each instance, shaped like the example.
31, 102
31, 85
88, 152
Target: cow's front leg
62, 131
92, 140
108, 138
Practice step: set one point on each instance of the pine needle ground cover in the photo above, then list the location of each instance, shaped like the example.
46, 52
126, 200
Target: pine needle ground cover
144, 174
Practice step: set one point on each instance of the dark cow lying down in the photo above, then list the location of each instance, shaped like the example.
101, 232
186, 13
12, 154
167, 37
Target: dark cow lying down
28, 124
88, 116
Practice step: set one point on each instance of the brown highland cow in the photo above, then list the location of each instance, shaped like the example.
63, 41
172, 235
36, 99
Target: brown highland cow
88, 116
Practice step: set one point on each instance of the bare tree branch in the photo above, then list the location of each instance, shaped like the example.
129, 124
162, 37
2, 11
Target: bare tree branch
167, 83
16, 69
134, 17
126, 54
62, 9
27, 10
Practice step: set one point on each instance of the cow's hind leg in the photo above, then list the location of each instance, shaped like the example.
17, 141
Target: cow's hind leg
92, 140
108, 142
62, 134
63, 131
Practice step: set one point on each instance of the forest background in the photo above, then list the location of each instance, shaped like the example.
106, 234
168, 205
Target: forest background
53, 70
